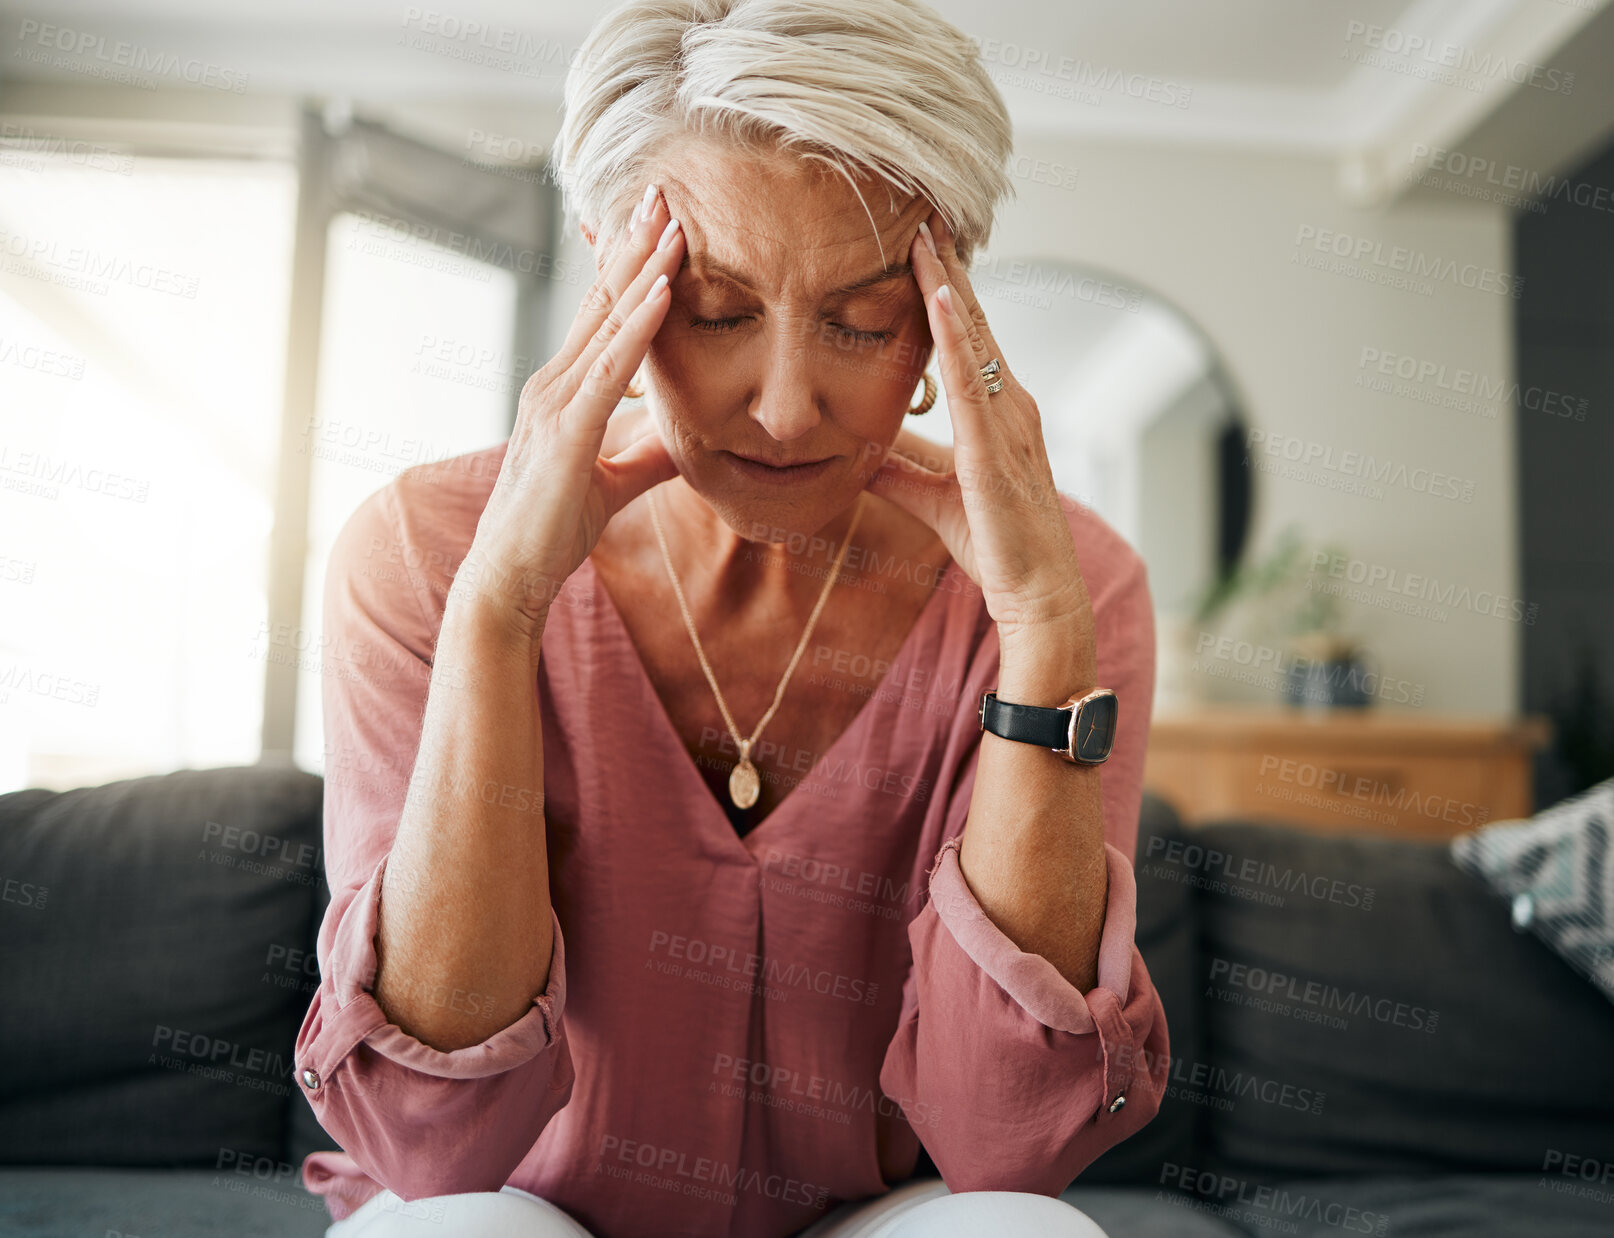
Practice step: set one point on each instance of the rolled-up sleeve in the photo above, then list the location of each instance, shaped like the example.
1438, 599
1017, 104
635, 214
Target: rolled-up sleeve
1037, 1078
419, 1120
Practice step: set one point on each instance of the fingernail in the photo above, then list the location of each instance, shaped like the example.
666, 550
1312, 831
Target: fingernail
643, 212
924, 231
667, 234
661, 281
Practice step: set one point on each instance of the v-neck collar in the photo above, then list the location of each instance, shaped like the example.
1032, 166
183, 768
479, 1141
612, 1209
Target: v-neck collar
711, 810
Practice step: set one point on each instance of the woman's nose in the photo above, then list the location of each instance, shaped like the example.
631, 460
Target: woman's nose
788, 393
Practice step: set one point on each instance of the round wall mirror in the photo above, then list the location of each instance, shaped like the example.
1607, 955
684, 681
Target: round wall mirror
1141, 421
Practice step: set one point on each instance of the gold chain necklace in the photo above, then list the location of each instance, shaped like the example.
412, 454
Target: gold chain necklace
744, 783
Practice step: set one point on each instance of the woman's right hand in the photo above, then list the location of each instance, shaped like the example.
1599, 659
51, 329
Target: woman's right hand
555, 493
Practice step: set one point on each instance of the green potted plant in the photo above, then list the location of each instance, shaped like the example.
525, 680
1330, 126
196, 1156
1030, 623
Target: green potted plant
1328, 667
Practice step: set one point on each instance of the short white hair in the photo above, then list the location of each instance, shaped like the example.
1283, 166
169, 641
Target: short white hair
882, 87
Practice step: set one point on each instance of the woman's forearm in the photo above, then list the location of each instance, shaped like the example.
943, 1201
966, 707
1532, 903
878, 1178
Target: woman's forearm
465, 937
1033, 843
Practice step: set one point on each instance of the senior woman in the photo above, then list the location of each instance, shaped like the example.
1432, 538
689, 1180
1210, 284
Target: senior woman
682, 883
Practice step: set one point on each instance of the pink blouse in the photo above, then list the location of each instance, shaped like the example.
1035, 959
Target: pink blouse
740, 1031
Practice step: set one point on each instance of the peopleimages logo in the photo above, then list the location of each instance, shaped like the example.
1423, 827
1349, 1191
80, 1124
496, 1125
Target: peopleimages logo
1413, 263
36, 473
39, 360
1586, 1168
702, 1177
1084, 74
1243, 662
1336, 783
1223, 1193
1469, 67
814, 1095
1310, 460
1212, 862
80, 46
1530, 184
1280, 986
1420, 378
1584, 1177
22, 143
1446, 594
1216, 1087
675, 954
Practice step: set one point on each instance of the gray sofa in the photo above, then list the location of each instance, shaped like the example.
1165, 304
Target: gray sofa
1360, 1042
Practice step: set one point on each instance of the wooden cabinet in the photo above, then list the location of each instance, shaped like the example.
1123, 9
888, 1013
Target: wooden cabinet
1362, 771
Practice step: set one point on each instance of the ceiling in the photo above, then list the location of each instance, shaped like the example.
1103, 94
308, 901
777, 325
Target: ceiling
1299, 75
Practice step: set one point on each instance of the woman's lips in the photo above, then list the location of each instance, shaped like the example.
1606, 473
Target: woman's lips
767, 473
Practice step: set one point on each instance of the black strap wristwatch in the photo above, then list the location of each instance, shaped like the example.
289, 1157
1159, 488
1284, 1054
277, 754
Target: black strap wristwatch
1082, 730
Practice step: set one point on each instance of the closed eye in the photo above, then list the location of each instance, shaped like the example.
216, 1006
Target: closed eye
863, 337
719, 326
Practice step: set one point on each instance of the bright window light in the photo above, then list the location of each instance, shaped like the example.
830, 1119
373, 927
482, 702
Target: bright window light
143, 307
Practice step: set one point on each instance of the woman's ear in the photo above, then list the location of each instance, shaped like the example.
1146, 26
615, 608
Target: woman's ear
587, 235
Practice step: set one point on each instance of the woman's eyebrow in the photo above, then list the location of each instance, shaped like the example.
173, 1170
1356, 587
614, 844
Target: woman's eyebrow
903, 270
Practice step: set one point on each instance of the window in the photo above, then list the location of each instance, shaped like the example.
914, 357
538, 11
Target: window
415, 366
142, 325
206, 363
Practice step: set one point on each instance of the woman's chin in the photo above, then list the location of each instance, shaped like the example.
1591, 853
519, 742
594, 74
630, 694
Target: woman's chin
755, 509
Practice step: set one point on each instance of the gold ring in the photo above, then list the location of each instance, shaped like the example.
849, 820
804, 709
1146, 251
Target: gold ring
989, 372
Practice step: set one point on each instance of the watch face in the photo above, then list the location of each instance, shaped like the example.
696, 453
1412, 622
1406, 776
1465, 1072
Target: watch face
1094, 727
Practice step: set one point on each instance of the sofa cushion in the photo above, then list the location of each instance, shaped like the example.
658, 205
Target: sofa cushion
242, 1198
1167, 940
1411, 1206
1368, 1008
1139, 1212
155, 934
1555, 872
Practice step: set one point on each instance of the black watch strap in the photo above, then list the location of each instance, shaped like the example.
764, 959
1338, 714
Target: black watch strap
1030, 724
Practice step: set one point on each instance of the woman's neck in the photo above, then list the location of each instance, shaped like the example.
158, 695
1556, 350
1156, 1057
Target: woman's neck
724, 570
761, 558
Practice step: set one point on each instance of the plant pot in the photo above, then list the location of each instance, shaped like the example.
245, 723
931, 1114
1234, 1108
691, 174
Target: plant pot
1338, 683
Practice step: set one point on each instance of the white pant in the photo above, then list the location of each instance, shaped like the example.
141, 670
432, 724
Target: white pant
921, 1208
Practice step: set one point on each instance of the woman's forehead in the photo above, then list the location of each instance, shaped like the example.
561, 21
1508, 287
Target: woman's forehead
765, 227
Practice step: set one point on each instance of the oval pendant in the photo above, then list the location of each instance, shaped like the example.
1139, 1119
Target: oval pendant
744, 785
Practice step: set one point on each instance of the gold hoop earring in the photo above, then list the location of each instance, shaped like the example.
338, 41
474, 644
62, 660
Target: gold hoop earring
929, 398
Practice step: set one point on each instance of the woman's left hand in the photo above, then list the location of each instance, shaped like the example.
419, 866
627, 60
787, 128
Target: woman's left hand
997, 510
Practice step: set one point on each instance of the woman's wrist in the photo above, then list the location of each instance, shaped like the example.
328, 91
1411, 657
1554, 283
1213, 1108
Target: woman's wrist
491, 600
475, 620
1045, 664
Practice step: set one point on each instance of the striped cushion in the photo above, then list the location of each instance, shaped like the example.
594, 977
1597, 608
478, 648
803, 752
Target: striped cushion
1555, 870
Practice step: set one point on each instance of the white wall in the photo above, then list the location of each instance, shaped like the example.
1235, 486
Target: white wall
1215, 234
